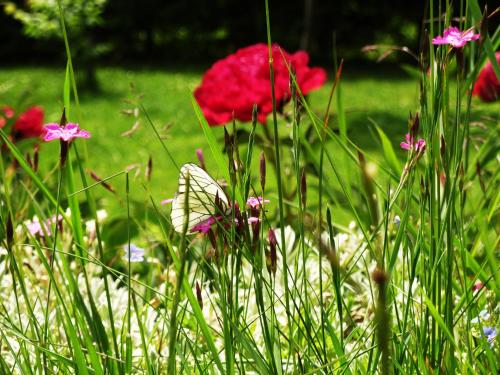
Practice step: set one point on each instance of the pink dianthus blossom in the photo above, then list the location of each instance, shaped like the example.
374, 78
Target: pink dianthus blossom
254, 202
411, 145
455, 38
64, 133
35, 227
204, 226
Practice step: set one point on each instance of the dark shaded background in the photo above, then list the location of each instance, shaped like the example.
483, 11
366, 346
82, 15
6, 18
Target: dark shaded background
199, 31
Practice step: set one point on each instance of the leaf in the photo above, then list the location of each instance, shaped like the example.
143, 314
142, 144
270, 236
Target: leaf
389, 154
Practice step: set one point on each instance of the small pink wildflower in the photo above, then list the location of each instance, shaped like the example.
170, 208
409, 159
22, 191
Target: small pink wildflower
201, 159
256, 202
35, 227
478, 285
64, 133
411, 145
253, 220
455, 38
204, 226
167, 201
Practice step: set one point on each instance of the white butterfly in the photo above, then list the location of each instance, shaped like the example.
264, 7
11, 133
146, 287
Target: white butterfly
202, 194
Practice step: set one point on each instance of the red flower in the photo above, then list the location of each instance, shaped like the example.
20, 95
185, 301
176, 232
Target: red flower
237, 82
30, 123
487, 86
8, 113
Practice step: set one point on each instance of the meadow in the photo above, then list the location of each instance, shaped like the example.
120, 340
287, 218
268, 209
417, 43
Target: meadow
355, 232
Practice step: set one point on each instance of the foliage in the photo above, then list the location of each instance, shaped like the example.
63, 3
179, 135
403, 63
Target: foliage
41, 20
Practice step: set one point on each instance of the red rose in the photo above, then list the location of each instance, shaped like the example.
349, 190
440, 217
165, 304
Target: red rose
487, 86
29, 124
237, 82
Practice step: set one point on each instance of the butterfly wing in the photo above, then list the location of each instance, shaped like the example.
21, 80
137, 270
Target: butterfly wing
202, 193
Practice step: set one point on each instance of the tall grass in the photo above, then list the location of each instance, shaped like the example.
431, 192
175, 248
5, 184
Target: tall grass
296, 292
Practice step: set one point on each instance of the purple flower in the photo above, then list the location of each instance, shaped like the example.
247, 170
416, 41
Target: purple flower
201, 159
64, 133
411, 145
253, 202
253, 220
490, 333
136, 253
455, 38
204, 226
35, 227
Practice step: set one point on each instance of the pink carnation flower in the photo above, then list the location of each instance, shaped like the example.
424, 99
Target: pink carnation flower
204, 226
253, 202
455, 38
64, 133
411, 145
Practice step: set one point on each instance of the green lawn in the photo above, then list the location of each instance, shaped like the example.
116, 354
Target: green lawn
387, 100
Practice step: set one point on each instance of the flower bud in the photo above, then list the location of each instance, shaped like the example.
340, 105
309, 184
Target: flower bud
262, 170
479, 175
201, 159
303, 187
273, 257
36, 151
9, 232
442, 149
198, 295
149, 168
28, 160
379, 276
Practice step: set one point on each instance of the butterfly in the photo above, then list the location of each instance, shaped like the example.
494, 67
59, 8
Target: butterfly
202, 193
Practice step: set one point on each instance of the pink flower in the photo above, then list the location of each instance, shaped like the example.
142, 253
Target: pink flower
204, 226
167, 201
8, 113
411, 145
64, 133
234, 84
201, 159
456, 38
487, 86
478, 285
35, 227
253, 202
253, 220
